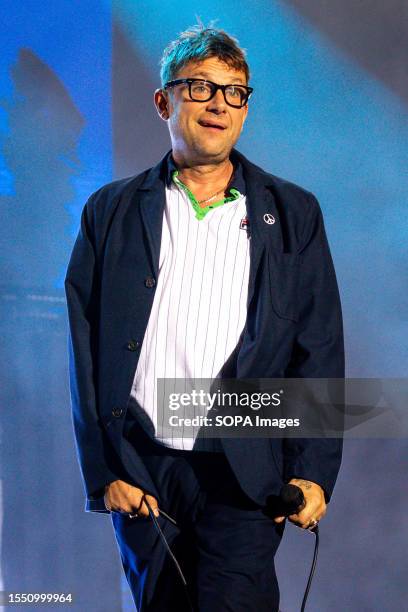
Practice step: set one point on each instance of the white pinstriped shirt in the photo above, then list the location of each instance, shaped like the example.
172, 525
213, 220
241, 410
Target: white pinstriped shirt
199, 306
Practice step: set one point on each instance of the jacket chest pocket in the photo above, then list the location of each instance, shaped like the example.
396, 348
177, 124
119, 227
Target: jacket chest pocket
284, 277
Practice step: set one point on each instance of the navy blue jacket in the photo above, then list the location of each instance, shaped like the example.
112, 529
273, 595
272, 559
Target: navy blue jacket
293, 326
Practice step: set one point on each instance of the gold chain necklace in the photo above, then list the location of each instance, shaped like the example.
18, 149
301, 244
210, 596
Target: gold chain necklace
211, 197
217, 192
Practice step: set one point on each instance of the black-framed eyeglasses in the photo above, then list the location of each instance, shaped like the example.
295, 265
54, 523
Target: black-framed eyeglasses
201, 90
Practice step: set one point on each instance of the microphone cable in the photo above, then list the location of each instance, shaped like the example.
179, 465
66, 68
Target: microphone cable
315, 531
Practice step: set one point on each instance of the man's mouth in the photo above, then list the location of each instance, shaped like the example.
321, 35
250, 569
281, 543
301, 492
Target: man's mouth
210, 125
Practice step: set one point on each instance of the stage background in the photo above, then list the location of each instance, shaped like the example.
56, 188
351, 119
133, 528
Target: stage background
76, 111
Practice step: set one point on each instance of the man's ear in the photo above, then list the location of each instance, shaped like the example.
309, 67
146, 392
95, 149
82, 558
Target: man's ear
161, 103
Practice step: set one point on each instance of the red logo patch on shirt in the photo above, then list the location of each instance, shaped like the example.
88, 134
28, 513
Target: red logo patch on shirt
244, 223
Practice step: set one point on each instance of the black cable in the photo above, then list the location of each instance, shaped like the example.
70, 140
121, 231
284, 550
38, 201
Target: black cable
315, 531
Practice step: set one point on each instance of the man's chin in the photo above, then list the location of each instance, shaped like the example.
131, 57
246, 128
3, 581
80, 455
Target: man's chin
213, 153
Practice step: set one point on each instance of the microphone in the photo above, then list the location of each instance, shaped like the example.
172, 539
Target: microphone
292, 499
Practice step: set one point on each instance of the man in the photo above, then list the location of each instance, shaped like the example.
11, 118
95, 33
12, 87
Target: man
202, 266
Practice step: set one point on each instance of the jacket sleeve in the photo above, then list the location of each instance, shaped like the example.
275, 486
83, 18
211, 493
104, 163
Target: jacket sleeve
318, 351
82, 293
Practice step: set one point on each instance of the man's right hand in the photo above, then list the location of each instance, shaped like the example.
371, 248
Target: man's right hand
120, 496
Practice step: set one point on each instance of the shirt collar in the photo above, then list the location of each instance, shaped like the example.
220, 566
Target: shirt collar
237, 182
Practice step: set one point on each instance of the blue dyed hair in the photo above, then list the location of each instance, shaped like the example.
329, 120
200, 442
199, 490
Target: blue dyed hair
197, 44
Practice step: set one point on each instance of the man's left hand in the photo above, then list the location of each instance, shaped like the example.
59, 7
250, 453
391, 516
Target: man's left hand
315, 507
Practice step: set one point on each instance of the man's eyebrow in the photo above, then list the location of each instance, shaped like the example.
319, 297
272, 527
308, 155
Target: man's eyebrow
208, 76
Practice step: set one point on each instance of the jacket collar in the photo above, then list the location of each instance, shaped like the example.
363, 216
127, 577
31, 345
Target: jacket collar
256, 183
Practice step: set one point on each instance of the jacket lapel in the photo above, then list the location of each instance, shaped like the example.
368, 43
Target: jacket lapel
261, 207
152, 200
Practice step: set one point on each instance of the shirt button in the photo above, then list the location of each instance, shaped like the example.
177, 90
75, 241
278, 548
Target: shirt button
132, 345
149, 282
117, 412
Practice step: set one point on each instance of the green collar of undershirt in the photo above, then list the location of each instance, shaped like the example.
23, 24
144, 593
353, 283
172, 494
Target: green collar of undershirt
199, 210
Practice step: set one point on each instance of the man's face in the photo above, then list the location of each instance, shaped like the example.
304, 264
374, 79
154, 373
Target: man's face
189, 121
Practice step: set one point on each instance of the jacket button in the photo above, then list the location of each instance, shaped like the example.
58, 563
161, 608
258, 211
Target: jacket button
150, 282
132, 345
117, 412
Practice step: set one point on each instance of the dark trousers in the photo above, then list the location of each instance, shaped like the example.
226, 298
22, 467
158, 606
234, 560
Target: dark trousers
224, 542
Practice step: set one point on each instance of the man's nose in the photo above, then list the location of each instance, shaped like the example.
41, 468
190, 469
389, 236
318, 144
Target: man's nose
217, 102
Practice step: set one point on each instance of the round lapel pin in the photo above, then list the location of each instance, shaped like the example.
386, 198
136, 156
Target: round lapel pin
269, 219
